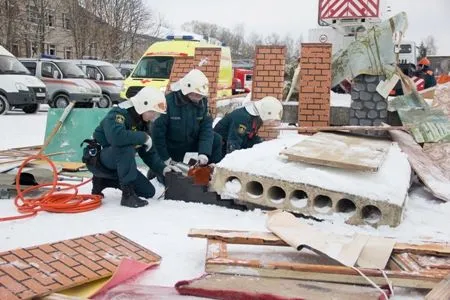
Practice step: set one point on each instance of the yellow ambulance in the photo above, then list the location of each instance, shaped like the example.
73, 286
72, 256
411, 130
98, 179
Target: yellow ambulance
155, 66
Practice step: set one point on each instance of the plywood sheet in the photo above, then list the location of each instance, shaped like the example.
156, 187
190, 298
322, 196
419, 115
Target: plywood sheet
250, 287
41, 270
424, 166
440, 291
340, 151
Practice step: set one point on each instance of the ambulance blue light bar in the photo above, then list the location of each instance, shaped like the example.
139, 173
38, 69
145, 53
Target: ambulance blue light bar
181, 37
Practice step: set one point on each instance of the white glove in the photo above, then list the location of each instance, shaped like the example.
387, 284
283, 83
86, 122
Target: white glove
148, 143
171, 169
203, 160
168, 162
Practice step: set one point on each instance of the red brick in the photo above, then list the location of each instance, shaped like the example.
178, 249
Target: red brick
313, 118
308, 66
314, 72
85, 272
306, 112
262, 84
107, 265
6, 294
262, 50
263, 73
11, 284
22, 253
63, 269
267, 90
313, 106
320, 78
326, 73
308, 89
275, 84
269, 68
263, 134
324, 118
63, 248
14, 272
280, 68
306, 124
35, 286
303, 117
87, 262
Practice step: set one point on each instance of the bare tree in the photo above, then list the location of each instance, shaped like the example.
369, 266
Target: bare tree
430, 44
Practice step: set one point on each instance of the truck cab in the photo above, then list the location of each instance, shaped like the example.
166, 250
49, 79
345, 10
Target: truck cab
65, 82
106, 76
155, 66
18, 87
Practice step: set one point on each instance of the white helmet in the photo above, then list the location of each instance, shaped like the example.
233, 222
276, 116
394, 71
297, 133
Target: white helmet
269, 108
194, 82
149, 99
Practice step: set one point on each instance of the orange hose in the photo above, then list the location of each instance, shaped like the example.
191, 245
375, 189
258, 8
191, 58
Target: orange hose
54, 200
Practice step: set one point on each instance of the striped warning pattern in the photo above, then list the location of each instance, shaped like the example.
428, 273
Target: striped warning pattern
335, 9
39, 271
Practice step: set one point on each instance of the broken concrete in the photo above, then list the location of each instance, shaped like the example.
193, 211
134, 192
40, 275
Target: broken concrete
259, 176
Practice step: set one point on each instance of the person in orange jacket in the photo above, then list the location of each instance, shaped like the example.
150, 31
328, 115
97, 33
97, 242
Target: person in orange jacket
426, 73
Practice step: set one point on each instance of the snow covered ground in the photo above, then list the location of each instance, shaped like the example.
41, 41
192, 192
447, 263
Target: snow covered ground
163, 225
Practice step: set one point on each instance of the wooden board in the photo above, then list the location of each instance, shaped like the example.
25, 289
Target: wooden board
270, 239
405, 273
439, 153
250, 287
440, 291
431, 175
41, 270
340, 151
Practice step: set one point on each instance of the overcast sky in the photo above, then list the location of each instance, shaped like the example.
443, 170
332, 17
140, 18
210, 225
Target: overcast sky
295, 17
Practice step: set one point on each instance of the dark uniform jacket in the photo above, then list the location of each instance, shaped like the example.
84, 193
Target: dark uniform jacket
239, 130
125, 128
186, 127
427, 75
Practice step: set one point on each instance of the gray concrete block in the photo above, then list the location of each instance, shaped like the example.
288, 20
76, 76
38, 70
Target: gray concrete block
382, 105
361, 114
356, 105
369, 104
371, 87
308, 199
373, 114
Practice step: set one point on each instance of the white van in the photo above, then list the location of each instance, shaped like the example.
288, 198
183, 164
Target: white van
18, 88
65, 82
106, 76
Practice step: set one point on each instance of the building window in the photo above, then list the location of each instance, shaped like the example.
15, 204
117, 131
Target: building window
50, 19
51, 49
32, 14
66, 21
68, 53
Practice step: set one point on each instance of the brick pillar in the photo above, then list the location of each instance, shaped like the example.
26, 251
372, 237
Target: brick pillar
209, 59
315, 85
268, 79
181, 66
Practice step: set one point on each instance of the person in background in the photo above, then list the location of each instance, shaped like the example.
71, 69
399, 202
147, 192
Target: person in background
426, 73
239, 129
110, 156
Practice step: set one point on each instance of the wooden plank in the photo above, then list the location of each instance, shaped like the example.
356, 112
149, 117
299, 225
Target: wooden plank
250, 287
326, 273
340, 151
429, 261
440, 291
269, 239
340, 128
431, 175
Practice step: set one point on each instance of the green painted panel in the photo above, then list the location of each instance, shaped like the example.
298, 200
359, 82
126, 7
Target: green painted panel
79, 125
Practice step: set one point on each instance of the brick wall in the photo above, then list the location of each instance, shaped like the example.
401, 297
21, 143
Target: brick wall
315, 85
182, 65
211, 67
268, 79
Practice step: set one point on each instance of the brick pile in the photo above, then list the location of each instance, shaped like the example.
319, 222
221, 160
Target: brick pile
268, 79
315, 85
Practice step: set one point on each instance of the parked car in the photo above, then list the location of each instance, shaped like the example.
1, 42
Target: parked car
18, 88
106, 76
65, 82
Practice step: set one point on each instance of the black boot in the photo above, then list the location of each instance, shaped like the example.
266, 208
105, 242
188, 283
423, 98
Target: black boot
130, 199
99, 184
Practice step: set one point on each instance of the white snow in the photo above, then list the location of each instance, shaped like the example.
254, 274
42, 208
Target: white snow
264, 160
341, 100
163, 225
